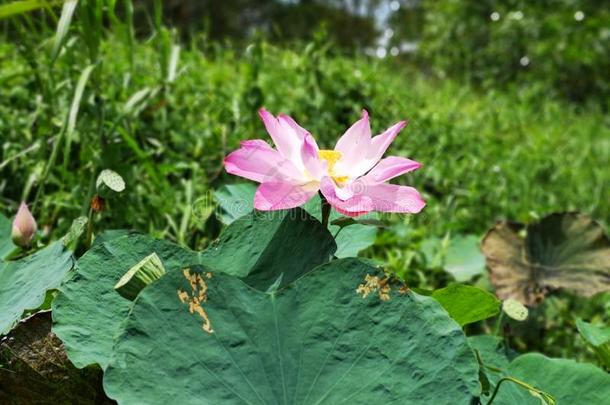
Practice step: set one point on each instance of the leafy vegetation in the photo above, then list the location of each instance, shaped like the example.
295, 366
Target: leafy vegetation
114, 130
560, 45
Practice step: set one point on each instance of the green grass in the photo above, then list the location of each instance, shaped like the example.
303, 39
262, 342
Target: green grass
486, 156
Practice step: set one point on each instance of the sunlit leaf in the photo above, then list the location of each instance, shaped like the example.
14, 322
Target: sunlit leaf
467, 304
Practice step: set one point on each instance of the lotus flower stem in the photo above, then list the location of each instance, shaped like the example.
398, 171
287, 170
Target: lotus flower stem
544, 396
325, 209
498, 327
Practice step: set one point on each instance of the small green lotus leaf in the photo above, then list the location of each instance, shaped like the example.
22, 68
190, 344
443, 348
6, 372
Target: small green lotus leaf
6, 244
594, 335
515, 310
353, 239
598, 337
139, 276
350, 239
467, 304
109, 182
432, 249
563, 251
237, 200
25, 282
567, 381
195, 337
463, 258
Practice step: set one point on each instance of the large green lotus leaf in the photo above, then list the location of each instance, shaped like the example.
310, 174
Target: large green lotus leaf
24, 282
87, 312
111, 234
568, 381
563, 251
317, 341
236, 200
271, 246
6, 244
265, 249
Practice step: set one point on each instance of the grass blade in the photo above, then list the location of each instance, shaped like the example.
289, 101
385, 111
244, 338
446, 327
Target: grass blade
20, 7
62, 27
73, 113
173, 63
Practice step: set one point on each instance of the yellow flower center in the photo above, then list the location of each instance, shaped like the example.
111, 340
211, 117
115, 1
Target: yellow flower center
332, 157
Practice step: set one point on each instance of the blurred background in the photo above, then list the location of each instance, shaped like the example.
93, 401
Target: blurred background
561, 44
507, 101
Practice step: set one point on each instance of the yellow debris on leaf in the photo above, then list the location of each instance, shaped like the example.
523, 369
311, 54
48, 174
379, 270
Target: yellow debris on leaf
373, 284
197, 296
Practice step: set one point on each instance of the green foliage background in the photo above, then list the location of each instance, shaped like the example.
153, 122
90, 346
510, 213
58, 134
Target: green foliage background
560, 45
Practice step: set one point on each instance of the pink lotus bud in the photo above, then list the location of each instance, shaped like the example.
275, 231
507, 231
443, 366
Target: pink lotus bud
24, 227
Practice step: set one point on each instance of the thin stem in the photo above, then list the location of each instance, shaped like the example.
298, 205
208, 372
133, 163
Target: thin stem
546, 397
498, 328
325, 208
89, 236
48, 167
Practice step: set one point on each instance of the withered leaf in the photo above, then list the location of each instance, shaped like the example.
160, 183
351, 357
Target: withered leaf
562, 251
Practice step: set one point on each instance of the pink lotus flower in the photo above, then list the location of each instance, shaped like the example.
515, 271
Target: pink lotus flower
353, 177
24, 227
